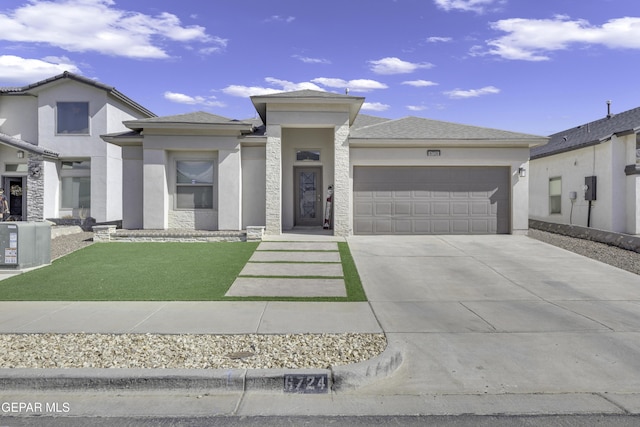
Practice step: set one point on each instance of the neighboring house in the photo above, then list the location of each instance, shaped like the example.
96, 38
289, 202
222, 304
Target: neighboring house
406, 176
53, 163
589, 175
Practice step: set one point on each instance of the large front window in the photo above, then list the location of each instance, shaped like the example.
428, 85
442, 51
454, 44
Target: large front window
555, 195
75, 184
72, 118
194, 184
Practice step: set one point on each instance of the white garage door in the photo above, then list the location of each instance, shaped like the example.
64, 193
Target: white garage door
431, 200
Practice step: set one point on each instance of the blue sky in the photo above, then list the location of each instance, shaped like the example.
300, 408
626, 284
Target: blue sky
532, 66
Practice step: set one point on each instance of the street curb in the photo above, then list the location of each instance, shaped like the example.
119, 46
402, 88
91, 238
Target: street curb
218, 380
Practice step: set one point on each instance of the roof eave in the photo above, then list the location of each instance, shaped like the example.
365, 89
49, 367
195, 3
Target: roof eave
443, 142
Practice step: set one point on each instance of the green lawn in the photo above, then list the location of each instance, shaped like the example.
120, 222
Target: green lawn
151, 272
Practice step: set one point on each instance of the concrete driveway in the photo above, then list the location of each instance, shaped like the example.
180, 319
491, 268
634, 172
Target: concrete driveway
503, 314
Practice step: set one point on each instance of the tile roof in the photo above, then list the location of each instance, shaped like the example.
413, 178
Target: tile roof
421, 128
590, 133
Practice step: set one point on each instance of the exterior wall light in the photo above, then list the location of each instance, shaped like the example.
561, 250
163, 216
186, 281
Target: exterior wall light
522, 172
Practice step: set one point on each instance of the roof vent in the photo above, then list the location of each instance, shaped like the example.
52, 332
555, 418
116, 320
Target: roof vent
609, 110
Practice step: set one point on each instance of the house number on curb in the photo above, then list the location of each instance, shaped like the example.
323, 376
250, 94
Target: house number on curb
308, 384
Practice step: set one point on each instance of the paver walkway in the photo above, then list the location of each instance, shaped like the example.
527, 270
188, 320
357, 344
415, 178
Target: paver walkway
292, 269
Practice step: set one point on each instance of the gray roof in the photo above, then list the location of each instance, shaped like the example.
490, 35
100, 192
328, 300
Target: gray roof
591, 133
26, 146
363, 120
198, 117
67, 75
426, 129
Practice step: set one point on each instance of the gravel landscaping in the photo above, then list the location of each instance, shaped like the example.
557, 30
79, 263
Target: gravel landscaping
296, 351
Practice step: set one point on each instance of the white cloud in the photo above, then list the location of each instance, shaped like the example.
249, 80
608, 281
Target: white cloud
532, 39
420, 83
247, 91
439, 39
193, 100
472, 93
478, 6
308, 60
280, 18
392, 65
374, 106
357, 85
416, 107
17, 70
96, 25
281, 86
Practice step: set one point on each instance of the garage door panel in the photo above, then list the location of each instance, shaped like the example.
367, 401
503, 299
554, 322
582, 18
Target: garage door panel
403, 208
431, 200
459, 209
439, 208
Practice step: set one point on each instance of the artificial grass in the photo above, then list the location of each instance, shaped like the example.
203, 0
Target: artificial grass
134, 272
153, 272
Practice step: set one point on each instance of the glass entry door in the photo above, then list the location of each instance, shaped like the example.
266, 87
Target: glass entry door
14, 191
308, 196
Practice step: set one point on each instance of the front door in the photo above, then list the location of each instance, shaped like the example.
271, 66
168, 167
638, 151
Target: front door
14, 190
308, 196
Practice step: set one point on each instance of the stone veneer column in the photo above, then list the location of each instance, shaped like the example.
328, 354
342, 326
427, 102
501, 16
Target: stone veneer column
35, 189
273, 180
341, 184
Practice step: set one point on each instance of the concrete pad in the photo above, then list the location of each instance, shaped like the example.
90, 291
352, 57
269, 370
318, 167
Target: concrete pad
428, 317
263, 404
531, 316
280, 256
434, 279
91, 403
620, 316
629, 402
298, 246
318, 317
16, 314
281, 269
286, 287
90, 317
403, 246
205, 317
504, 363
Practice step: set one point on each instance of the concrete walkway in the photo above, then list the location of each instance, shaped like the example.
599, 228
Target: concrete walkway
475, 324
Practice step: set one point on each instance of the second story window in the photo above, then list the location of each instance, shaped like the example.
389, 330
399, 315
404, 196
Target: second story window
72, 118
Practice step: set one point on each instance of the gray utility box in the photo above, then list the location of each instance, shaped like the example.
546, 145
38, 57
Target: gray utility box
24, 244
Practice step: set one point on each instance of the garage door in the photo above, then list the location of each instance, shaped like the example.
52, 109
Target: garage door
431, 200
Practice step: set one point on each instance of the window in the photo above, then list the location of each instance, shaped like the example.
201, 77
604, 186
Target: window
16, 167
637, 148
194, 184
555, 195
308, 155
75, 183
72, 118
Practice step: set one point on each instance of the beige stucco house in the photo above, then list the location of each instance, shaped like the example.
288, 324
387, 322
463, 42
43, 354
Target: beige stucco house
405, 176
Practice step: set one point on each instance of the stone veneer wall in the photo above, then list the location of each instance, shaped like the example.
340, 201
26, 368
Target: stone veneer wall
342, 224
273, 209
35, 189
